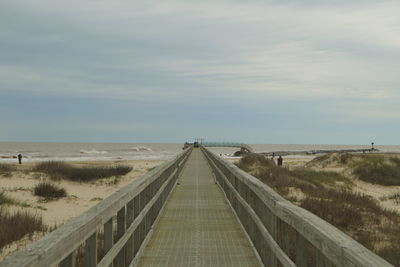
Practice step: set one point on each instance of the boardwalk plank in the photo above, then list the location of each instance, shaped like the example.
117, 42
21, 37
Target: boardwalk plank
198, 228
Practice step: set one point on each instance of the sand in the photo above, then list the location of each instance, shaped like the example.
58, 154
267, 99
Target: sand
81, 196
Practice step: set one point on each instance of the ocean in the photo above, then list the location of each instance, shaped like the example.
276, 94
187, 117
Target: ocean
35, 151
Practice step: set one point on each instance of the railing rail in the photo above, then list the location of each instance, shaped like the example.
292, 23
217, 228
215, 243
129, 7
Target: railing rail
135, 206
282, 233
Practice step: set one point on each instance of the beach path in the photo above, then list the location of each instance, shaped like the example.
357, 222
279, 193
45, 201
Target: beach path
197, 227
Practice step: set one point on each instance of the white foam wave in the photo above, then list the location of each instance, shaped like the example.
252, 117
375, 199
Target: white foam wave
141, 148
93, 151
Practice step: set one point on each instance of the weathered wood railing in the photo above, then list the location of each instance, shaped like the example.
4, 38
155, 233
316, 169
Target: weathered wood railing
95, 238
284, 234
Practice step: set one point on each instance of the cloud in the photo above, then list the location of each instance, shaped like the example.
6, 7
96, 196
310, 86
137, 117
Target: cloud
248, 59
285, 48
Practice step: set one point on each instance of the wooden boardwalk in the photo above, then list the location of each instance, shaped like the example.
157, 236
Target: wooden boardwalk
198, 228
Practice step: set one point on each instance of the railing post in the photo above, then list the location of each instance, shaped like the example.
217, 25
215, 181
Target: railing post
69, 261
129, 244
91, 251
142, 226
120, 259
283, 236
136, 233
273, 232
301, 251
108, 235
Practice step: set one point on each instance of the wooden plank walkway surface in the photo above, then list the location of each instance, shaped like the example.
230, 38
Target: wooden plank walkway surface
197, 227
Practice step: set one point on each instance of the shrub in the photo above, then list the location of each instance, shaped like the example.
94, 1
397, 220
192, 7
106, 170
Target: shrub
61, 170
16, 225
49, 191
377, 170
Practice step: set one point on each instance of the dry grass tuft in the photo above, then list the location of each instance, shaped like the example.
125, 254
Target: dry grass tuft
6, 200
62, 170
6, 168
378, 170
332, 159
16, 225
49, 191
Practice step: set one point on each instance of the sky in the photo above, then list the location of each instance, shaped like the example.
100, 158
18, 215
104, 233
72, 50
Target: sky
260, 71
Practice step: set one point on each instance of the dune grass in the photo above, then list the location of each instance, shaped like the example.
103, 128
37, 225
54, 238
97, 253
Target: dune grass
395, 197
6, 200
378, 170
6, 169
61, 170
320, 177
14, 226
358, 215
49, 191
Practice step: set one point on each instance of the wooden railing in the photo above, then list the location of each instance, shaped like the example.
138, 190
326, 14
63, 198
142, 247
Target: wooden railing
284, 234
112, 232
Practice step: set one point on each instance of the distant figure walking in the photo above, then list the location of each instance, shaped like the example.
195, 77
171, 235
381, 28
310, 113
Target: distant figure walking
280, 161
19, 158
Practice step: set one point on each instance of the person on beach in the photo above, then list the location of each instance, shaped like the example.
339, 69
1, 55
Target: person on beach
280, 161
19, 158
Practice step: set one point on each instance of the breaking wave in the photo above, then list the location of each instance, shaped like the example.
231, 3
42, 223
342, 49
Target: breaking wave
93, 151
141, 148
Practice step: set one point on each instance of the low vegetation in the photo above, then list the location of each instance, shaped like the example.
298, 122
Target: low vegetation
6, 169
14, 226
329, 196
49, 191
6, 200
395, 197
321, 177
330, 160
61, 170
378, 170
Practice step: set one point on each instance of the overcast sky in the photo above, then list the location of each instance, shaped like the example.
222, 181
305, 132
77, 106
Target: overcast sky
261, 71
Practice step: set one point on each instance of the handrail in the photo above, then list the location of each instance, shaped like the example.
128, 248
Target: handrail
283, 232
136, 206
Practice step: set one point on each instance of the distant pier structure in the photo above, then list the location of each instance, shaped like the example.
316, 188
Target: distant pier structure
244, 148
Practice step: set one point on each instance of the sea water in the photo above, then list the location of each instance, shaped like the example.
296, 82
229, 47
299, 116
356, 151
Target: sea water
32, 151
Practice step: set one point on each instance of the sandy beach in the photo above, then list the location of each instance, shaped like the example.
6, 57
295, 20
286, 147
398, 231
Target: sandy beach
81, 196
